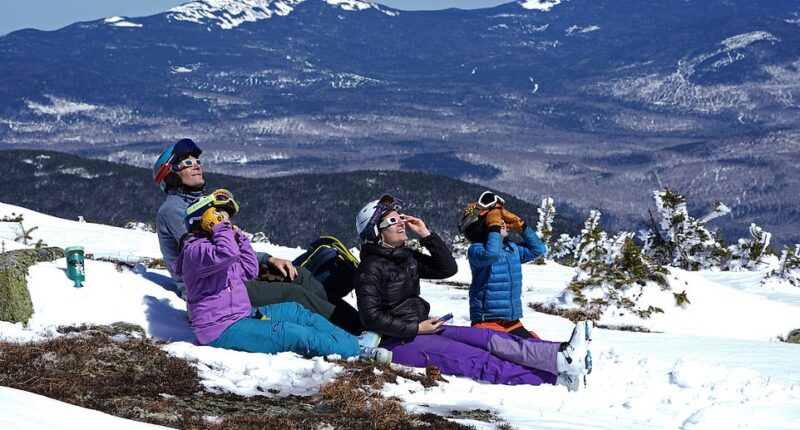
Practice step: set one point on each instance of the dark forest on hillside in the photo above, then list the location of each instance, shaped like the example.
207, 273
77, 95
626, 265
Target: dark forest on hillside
290, 210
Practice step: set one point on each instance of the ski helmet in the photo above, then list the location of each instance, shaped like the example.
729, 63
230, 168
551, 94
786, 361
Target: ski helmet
472, 223
369, 216
173, 153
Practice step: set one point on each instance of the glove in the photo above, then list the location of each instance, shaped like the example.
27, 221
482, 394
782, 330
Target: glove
212, 217
494, 218
513, 222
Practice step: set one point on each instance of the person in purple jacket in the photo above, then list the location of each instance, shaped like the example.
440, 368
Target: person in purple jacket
389, 302
215, 260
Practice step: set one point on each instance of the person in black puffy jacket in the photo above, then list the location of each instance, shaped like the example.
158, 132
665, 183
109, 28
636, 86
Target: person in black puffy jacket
389, 302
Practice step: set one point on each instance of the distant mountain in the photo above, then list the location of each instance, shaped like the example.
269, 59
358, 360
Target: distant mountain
595, 102
291, 210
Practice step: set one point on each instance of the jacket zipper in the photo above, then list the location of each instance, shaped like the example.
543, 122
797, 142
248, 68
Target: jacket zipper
230, 295
511, 279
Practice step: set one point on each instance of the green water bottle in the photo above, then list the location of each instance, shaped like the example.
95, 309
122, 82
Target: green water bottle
75, 269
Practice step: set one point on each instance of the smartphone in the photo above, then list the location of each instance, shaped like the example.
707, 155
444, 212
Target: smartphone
447, 317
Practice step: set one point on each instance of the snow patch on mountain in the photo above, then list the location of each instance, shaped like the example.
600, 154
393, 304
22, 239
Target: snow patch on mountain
575, 29
679, 90
543, 5
78, 171
118, 21
358, 5
743, 40
228, 14
59, 106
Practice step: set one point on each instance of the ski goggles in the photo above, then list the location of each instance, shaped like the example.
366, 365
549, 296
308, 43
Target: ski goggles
386, 203
392, 220
489, 200
221, 198
224, 198
186, 164
391, 203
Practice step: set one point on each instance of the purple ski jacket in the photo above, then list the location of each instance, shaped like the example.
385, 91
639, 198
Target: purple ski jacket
214, 270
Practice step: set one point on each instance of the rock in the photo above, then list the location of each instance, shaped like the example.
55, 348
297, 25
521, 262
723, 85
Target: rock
794, 336
15, 299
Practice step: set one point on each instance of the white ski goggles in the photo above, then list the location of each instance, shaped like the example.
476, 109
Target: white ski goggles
488, 200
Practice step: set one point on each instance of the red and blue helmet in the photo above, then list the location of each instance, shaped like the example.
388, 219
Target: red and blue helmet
174, 153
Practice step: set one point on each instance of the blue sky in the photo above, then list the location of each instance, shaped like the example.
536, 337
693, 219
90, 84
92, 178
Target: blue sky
53, 14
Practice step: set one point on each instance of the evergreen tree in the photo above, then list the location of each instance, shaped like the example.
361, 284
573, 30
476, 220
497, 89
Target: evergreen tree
749, 253
460, 246
687, 241
613, 271
789, 267
258, 237
653, 244
544, 228
563, 249
590, 251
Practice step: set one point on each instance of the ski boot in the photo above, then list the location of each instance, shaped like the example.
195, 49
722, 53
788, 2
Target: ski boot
572, 382
574, 357
378, 355
370, 339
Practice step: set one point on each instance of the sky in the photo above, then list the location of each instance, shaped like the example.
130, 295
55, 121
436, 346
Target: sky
54, 14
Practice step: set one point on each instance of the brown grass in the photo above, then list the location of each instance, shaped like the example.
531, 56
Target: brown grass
573, 315
115, 370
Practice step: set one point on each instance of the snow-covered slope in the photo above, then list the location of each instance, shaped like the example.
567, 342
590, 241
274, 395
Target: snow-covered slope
715, 364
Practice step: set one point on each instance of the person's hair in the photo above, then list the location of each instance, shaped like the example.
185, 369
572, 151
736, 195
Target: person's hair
477, 232
172, 181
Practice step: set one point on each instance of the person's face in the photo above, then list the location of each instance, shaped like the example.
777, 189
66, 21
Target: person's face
394, 235
191, 177
503, 230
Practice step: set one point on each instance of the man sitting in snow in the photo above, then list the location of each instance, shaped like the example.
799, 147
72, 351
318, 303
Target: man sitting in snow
179, 173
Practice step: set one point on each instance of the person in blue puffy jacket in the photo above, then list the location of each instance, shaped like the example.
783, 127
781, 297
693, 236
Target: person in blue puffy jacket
495, 295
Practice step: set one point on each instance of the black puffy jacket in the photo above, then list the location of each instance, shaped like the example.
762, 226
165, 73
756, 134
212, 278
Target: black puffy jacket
387, 285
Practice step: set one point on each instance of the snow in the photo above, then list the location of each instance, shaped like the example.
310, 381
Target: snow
542, 5
59, 106
575, 29
229, 14
21, 410
743, 40
118, 21
713, 364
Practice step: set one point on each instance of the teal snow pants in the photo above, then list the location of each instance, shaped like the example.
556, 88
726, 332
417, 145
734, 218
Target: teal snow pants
287, 327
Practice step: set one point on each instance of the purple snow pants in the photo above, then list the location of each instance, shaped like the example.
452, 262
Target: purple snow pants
481, 354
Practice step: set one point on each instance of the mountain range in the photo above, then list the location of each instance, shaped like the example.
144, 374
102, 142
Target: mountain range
594, 102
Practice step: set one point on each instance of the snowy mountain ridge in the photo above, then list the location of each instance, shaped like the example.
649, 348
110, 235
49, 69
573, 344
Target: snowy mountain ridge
229, 14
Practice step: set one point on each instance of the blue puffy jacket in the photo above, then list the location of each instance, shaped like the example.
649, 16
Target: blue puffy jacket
496, 290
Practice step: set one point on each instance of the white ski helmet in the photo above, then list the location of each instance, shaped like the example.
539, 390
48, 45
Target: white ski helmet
368, 217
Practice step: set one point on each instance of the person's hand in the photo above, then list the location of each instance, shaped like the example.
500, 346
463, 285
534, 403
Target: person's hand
494, 218
514, 222
284, 267
212, 217
430, 326
417, 226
